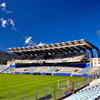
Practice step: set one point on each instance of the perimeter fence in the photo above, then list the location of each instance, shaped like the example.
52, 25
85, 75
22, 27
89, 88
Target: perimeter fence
48, 92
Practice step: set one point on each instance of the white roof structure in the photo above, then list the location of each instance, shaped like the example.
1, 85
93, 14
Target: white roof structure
72, 46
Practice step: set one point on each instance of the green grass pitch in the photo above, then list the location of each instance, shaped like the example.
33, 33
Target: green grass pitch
23, 87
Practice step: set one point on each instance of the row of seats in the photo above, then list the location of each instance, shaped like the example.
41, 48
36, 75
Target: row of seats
68, 70
87, 70
31, 69
88, 93
77, 58
48, 69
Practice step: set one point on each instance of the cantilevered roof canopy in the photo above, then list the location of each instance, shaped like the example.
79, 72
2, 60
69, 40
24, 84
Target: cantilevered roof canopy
77, 45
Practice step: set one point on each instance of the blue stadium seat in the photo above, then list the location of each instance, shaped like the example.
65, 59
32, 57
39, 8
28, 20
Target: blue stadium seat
32, 69
88, 93
51, 70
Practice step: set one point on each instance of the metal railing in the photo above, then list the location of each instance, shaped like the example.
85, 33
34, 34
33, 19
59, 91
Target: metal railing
48, 92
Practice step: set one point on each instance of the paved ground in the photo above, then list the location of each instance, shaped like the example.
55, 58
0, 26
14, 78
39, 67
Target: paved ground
95, 81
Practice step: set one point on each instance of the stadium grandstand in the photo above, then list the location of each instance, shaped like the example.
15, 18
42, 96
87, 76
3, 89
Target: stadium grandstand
77, 58
88, 93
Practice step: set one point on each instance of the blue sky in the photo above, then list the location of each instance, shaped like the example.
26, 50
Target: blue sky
50, 21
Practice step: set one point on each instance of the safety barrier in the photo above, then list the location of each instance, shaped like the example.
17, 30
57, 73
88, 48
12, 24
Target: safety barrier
78, 75
62, 74
43, 73
58, 74
31, 73
86, 75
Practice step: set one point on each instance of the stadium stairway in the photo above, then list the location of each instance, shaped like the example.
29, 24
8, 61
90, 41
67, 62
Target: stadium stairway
7, 70
91, 92
3, 68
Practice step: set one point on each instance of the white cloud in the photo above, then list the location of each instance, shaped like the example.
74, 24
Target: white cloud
8, 21
7, 11
11, 22
41, 44
3, 5
28, 39
3, 22
30, 42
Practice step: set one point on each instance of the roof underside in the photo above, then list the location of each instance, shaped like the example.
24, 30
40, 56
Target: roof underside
77, 45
